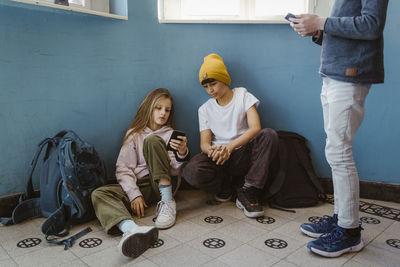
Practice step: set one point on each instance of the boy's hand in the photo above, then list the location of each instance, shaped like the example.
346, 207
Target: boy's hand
307, 24
220, 154
223, 156
138, 205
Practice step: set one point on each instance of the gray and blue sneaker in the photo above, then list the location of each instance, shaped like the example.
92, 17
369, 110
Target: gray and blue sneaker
337, 242
325, 225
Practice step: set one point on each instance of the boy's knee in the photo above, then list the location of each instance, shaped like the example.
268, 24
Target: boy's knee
269, 134
198, 173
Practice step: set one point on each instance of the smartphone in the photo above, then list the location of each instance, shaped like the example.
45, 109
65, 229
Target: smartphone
174, 135
290, 15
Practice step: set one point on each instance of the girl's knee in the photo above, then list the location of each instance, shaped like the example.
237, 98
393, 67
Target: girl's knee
152, 139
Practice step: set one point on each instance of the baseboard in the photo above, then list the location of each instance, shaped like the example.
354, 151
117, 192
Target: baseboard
9, 202
370, 190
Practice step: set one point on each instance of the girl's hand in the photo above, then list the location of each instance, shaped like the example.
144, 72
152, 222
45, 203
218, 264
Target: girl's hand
138, 205
179, 145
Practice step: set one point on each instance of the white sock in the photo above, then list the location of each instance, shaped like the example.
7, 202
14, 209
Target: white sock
166, 192
127, 225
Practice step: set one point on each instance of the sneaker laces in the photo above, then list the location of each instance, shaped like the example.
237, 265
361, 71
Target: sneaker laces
164, 209
336, 234
332, 236
324, 224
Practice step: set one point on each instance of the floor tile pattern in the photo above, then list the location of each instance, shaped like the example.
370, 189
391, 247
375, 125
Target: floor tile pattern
211, 233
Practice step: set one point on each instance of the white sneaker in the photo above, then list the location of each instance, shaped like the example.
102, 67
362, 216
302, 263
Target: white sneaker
137, 240
166, 214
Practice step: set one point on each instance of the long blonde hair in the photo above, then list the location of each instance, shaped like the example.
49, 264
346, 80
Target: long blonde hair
144, 114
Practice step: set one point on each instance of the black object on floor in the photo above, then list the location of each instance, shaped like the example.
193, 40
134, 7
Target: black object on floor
213, 219
276, 243
214, 243
158, 243
29, 242
90, 242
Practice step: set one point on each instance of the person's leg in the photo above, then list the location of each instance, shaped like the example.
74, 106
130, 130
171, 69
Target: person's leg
327, 223
158, 162
264, 147
202, 173
112, 206
253, 161
345, 113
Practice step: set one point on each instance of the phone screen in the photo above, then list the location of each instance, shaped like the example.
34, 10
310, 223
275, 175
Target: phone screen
174, 135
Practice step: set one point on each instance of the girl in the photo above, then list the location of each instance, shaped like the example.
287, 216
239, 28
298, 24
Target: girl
143, 171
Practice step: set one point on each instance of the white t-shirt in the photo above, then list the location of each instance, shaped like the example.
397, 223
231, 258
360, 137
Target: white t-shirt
227, 122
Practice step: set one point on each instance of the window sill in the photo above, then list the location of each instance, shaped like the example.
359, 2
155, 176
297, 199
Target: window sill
72, 8
232, 21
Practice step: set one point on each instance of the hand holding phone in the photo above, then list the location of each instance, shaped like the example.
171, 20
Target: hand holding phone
290, 15
174, 135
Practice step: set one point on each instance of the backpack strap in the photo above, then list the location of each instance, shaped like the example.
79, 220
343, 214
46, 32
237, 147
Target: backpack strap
65, 156
29, 192
28, 206
26, 209
68, 242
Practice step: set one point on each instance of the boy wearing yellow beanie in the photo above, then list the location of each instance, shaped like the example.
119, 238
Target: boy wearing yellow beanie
235, 150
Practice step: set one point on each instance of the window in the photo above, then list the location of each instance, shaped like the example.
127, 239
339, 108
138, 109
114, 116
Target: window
116, 9
236, 11
96, 5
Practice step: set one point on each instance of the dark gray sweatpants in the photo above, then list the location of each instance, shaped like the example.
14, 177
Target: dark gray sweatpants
249, 163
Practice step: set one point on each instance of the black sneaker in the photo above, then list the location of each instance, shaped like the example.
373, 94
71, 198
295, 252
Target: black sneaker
247, 200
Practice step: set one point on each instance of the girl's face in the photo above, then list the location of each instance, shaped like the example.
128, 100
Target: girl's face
160, 114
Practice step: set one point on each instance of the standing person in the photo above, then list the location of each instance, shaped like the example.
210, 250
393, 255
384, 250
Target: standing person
144, 168
235, 150
351, 60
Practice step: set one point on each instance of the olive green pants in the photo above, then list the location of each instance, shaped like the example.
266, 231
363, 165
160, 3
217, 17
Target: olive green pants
111, 203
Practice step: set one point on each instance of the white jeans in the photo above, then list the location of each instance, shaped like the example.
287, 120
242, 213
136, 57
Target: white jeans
343, 109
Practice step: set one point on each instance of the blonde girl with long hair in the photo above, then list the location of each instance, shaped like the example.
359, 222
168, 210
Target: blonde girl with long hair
143, 171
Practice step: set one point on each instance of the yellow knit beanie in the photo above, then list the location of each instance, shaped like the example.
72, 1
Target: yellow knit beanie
214, 68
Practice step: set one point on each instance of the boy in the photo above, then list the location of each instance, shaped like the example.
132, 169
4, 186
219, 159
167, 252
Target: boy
234, 148
351, 60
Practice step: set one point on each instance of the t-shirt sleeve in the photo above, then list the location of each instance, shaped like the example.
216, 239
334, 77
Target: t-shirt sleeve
250, 100
203, 120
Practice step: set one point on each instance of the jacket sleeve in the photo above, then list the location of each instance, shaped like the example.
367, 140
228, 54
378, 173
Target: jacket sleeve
368, 25
177, 160
126, 164
318, 40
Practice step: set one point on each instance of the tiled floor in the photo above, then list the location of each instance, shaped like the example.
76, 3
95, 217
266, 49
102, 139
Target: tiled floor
207, 234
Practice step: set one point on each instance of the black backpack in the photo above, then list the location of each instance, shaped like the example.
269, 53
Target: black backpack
294, 183
71, 169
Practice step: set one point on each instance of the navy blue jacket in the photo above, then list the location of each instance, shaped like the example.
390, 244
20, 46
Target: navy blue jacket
352, 41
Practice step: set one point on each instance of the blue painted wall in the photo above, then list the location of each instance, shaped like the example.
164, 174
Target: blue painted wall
89, 74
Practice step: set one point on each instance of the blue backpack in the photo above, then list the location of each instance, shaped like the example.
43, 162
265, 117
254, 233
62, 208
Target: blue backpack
71, 169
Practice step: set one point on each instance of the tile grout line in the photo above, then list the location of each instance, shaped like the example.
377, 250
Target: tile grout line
9, 256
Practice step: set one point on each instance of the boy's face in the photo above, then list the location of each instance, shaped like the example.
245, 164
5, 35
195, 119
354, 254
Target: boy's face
216, 89
161, 113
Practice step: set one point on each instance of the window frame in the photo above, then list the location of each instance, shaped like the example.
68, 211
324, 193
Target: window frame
118, 10
246, 6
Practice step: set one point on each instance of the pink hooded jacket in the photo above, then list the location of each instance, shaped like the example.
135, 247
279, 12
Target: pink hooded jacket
131, 165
